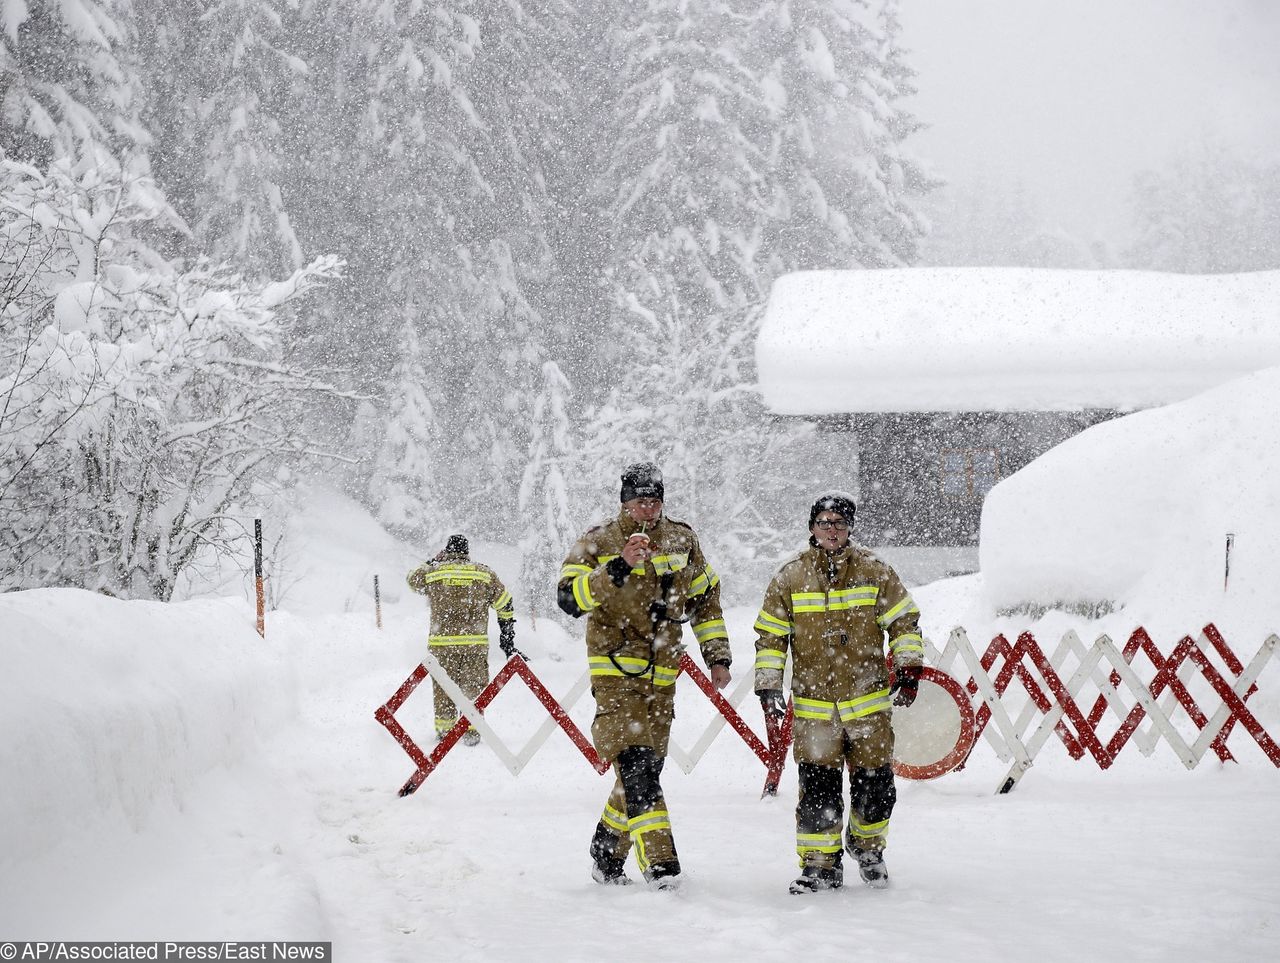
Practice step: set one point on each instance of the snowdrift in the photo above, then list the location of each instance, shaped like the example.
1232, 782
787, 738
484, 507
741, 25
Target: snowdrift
111, 708
1135, 514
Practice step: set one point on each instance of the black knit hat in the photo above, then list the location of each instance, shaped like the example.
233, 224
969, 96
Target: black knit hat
641, 480
833, 502
457, 545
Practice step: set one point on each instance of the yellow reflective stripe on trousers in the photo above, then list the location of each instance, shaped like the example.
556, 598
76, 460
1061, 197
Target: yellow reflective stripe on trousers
458, 640
814, 708
582, 593
864, 705
772, 625
819, 842
613, 819
771, 659
904, 607
710, 629
867, 830
648, 822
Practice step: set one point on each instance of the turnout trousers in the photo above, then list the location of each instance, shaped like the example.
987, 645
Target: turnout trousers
822, 749
468, 666
631, 730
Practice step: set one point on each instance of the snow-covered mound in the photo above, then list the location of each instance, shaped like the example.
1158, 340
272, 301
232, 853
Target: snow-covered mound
1137, 512
109, 707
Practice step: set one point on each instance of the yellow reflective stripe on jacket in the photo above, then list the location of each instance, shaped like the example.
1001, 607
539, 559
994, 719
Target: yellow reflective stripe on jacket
504, 607
456, 575
838, 600
771, 659
864, 705
613, 819
771, 625
848, 709
660, 675
819, 842
458, 640
704, 582
909, 643
668, 564
902, 608
574, 569
710, 629
808, 602
664, 675
582, 593
867, 830
848, 598
814, 708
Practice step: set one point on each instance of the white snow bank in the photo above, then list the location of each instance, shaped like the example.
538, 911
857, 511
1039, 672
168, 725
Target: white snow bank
1136, 512
1009, 339
110, 708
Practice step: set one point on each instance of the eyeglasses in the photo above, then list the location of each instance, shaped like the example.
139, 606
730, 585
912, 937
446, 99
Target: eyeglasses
839, 524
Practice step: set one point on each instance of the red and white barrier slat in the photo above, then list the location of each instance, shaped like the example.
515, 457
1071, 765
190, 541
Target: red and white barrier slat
1053, 688
1158, 700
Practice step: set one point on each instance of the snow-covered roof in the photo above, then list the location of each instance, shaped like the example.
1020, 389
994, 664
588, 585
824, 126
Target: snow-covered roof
1009, 339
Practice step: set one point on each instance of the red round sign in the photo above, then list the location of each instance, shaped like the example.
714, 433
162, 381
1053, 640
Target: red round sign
935, 733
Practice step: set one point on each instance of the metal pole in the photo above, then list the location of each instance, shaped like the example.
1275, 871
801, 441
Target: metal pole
257, 576
377, 602
1226, 563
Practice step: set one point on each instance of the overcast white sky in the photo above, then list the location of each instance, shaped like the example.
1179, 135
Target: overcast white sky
1073, 96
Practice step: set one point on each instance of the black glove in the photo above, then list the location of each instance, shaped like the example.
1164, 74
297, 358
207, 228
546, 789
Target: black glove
618, 570
507, 640
772, 703
906, 683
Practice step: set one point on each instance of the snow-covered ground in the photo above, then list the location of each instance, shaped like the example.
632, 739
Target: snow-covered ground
212, 785
167, 774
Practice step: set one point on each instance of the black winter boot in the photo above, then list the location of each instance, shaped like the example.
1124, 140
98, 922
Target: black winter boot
815, 878
606, 868
871, 867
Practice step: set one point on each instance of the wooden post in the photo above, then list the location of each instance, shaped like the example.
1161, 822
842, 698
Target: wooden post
257, 576
377, 602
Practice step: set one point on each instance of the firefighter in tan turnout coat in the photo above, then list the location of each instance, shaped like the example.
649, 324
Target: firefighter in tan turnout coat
639, 578
830, 609
461, 592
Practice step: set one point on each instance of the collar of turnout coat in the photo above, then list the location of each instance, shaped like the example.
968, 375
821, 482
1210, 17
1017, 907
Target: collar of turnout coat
630, 526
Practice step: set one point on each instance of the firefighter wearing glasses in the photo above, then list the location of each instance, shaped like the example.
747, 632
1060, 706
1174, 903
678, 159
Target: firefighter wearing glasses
831, 609
461, 593
639, 578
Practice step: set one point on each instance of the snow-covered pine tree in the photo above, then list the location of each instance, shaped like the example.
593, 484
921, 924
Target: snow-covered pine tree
65, 86
1209, 212
548, 524
844, 183
221, 83
405, 490
688, 163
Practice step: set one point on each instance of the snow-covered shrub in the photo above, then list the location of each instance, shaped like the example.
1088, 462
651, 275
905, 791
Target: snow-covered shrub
139, 401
